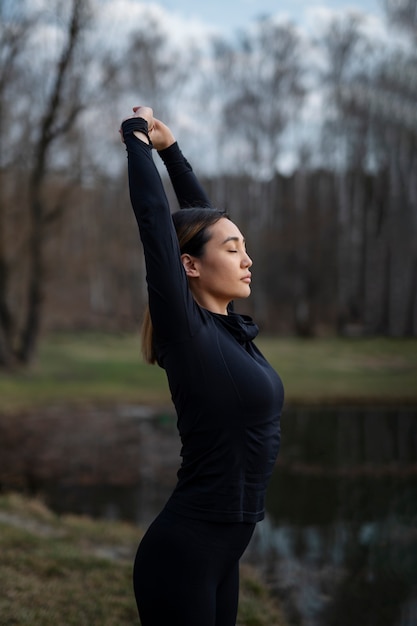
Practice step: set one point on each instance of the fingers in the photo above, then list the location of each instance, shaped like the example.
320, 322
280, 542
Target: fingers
143, 108
156, 125
144, 112
161, 135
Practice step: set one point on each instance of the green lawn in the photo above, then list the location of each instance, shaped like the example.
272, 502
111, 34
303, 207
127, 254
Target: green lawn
336, 370
94, 368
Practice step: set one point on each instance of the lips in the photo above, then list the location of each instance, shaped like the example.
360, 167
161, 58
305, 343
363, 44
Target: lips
247, 278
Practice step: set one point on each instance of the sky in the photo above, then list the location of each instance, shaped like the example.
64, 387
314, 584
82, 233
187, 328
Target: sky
231, 15
197, 21
194, 21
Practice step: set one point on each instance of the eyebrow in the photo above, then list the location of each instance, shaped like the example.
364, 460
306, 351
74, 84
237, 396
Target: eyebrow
233, 238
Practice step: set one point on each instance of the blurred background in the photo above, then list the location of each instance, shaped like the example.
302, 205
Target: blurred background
300, 119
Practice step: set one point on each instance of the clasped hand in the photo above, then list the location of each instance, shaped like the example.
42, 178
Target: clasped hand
159, 133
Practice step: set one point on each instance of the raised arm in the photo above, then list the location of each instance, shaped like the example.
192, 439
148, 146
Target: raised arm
170, 301
187, 188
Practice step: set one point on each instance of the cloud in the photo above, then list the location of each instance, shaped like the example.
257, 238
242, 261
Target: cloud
117, 19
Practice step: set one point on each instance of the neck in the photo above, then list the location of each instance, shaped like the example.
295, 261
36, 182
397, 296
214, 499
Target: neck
212, 305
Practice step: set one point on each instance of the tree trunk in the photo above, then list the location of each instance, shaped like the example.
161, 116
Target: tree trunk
49, 132
31, 330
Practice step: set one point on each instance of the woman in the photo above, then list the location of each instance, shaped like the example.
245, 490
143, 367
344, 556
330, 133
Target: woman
227, 397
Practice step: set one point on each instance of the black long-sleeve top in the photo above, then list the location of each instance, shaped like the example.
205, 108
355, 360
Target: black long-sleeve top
227, 397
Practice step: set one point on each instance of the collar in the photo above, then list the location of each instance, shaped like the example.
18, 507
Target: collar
242, 327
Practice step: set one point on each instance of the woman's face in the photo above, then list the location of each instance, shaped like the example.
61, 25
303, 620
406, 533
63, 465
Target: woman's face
222, 273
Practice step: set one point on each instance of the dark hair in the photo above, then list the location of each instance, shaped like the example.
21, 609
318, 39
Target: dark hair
192, 228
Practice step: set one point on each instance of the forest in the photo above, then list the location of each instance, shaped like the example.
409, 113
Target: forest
309, 142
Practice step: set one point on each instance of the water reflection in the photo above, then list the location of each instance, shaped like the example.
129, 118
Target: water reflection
340, 542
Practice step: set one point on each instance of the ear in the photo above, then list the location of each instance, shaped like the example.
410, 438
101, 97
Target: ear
190, 265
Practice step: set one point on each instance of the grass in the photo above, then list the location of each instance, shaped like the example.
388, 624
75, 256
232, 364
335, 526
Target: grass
94, 368
85, 368
74, 571
376, 371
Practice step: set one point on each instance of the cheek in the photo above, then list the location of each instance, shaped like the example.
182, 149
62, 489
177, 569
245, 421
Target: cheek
227, 269
217, 265
219, 268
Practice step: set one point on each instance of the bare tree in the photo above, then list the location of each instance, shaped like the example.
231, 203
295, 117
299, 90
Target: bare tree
13, 33
402, 13
370, 137
394, 124
42, 131
261, 79
156, 70
349, 56
261, 82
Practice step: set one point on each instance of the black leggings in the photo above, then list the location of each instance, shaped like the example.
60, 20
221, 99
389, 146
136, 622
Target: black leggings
186, 571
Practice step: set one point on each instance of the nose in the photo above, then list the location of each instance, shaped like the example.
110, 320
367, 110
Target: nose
247, 261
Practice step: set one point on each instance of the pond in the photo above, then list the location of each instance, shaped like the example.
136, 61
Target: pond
339, 542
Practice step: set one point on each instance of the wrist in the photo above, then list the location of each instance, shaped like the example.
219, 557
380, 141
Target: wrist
137, 126
139, 134
166, 144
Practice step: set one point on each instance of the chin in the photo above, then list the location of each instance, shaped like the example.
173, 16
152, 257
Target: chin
244, 294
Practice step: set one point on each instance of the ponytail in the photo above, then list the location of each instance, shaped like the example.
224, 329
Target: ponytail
146, 336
